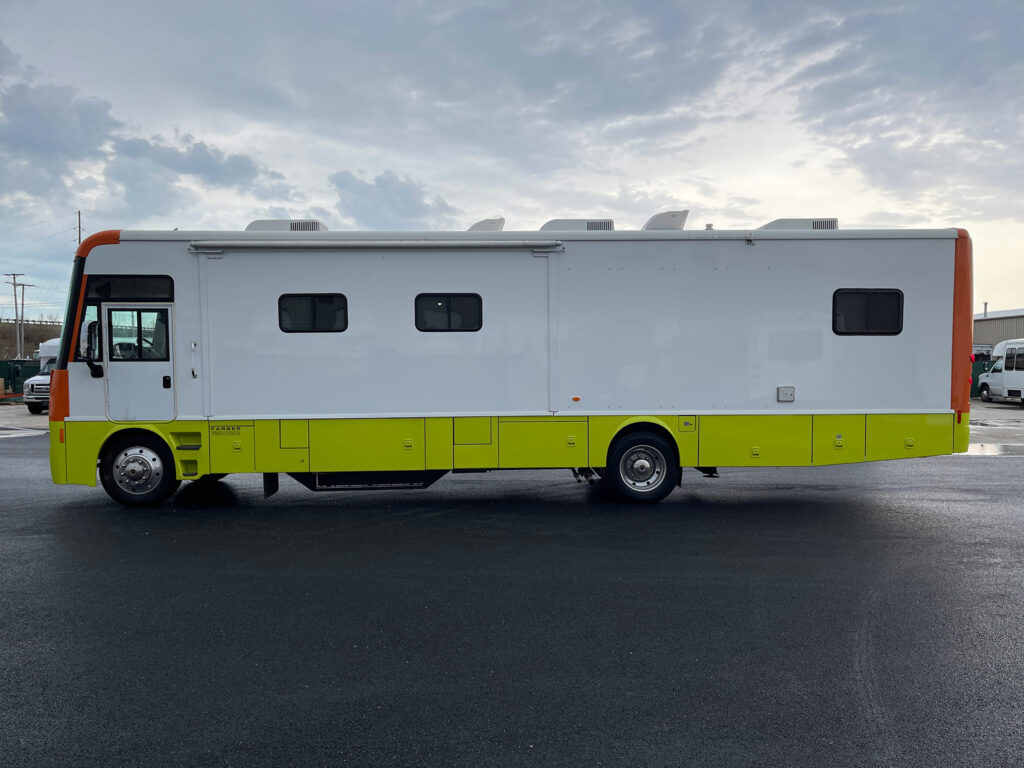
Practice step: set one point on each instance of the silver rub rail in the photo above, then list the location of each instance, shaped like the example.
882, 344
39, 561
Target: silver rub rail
295, 244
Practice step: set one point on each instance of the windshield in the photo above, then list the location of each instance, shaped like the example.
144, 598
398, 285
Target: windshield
47, 365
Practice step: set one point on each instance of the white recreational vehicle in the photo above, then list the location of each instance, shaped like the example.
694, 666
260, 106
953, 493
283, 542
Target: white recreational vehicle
1004, 381
578, 346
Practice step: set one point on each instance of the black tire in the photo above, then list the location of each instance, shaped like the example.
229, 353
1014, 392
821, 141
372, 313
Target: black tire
985, 396
137, 470
35, 408
642, 467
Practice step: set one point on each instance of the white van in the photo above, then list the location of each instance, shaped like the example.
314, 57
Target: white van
1004, 381
36, 390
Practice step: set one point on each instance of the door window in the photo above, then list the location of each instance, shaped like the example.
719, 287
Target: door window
138, 334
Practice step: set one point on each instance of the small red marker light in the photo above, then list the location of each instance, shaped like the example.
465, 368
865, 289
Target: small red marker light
575, 399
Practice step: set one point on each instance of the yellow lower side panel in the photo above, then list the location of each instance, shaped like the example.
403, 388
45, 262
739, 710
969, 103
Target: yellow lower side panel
905, 436
353, 445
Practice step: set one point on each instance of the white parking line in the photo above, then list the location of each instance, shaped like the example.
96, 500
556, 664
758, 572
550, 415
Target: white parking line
20, 432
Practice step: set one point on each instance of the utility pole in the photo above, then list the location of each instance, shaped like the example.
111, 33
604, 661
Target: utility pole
17, 318
23, 287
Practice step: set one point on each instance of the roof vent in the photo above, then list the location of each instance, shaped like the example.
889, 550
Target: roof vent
667, 220
802, 224
488, 225
579, 225
286, 225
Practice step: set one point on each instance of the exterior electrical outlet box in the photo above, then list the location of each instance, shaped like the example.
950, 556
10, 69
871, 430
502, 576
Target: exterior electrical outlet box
785, 394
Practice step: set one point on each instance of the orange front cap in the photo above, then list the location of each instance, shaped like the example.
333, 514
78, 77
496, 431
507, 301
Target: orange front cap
106, 237
60, 405
963, 324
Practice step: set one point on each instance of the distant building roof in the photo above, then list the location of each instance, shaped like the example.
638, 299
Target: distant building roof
992, 315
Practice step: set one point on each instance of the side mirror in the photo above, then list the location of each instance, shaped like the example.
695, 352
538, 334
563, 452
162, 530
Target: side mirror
92, 349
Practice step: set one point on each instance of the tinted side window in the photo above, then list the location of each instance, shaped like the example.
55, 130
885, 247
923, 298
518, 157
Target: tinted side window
867, 312
449, 312
138, 334
1008, 362
312, 312
130, 288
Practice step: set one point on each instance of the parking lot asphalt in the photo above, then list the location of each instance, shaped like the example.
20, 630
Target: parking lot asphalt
854, 615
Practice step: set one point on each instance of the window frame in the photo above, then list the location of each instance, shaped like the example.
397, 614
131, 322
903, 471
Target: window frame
342, 296
835, 311
449, 297
137, 311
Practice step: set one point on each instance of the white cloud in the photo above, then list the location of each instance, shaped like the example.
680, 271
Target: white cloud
462, 109
389, 201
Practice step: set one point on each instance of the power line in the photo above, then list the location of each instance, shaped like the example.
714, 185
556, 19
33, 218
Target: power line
36, 240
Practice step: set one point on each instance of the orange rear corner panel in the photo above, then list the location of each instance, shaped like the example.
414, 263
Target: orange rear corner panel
963, 323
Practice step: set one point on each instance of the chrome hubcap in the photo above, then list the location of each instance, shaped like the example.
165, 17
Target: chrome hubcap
642, 468
137, 470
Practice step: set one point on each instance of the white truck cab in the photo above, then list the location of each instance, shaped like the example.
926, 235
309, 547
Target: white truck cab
36, 390
1004, 381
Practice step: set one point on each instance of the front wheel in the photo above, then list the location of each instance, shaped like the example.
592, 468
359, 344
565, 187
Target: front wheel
643, 467
35, 408
985, 394
138, 470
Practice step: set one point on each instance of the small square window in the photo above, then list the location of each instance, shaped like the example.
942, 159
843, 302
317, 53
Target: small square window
867, 312
312, 312
449, 312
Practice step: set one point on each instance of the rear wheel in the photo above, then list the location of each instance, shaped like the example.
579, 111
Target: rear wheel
643, 467
138, 470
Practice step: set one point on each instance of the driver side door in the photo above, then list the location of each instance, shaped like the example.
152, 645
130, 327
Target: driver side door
138, 360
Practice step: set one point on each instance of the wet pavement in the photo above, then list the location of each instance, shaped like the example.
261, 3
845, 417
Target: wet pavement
854, 615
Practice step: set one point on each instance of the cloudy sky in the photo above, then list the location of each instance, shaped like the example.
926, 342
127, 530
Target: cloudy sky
409, 114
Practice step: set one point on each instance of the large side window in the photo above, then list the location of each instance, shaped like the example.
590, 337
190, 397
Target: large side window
312, 312
449, 312
127, 288
867, 312
1010, 359
138, 334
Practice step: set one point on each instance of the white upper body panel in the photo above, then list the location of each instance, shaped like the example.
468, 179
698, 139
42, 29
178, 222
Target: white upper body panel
628, 322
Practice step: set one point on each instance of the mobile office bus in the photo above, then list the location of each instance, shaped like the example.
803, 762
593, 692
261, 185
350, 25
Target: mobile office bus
387, 359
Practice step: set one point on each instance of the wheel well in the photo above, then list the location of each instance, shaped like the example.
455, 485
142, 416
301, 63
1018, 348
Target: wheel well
644, 426
131, 433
